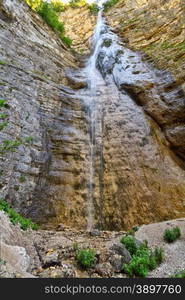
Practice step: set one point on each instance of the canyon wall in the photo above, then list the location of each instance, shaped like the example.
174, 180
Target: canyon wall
43, 148
79, 25
45, 155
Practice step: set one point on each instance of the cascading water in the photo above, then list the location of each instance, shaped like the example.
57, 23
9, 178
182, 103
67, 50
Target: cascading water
93, 76
126, 166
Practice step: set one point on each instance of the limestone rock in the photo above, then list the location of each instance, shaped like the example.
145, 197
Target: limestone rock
104, 269
117, 262
122, 251
51, 259
79, 26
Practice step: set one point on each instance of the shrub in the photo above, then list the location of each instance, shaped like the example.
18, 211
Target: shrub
22, 178
77, 3
3, 103
46, 11
3, 125
67, 41
109, 4
15, 217
85, 258
159, 255
2, 62
171, 235
130, 243
94, 9
34, 4
58, 6
144, 260
3, 116
10, 145
138, 265
49, 11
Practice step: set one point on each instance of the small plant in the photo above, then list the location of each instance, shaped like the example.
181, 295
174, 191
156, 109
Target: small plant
67, 40
85, 258
130, 244
2, 62
75, 246
28, 139
159, 255
138, 265
144, 260
22, 178
77, 3
16, 218
3, 116
3, 125
3, 103
180, 274
108, 4
50, 11
171, 235
94, 9
10, 145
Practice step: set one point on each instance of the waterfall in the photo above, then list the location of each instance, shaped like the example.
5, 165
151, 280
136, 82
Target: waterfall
93, 77
126, 166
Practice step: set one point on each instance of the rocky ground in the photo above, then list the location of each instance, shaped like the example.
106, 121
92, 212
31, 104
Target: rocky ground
51, 254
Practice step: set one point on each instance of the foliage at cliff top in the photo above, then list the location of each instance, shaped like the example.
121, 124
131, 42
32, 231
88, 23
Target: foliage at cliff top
60, 6
50, 11
108, 4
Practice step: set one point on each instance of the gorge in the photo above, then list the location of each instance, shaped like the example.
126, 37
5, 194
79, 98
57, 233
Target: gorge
100, 134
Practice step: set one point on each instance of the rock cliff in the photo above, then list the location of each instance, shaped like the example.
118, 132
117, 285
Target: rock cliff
79, 26
157, 29
43, 151
113, 153
45, 155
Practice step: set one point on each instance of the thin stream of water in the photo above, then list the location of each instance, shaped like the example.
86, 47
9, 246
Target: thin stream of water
92, 75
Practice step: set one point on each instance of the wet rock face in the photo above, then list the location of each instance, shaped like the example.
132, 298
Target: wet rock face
136, 173
40, 174
145, 26
156, 91
155, 28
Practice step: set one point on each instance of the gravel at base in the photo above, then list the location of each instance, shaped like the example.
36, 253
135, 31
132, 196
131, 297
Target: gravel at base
174, 252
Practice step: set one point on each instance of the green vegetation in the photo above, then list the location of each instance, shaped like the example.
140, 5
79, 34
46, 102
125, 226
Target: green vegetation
3, 116
93, 8
58, 6
12, 145
50, 11
3, 103
15, 217
3, 125
2, 62
28, 139
180, 274
22, 178
171, 235
166, 45
109, 4
130, 244
143, 258
85, 258
77, 3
